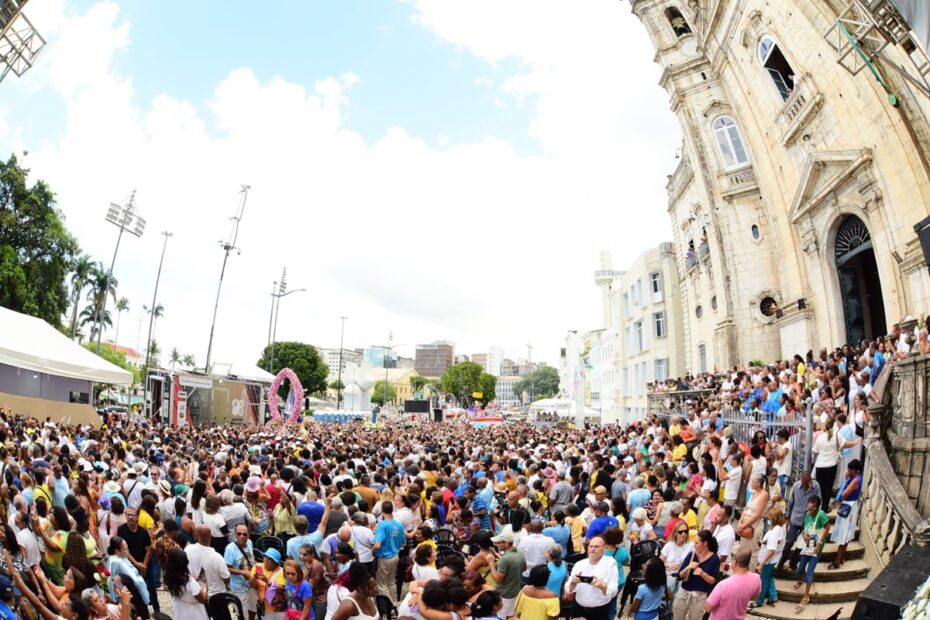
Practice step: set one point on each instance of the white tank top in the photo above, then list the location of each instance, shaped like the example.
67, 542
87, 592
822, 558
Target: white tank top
360, 615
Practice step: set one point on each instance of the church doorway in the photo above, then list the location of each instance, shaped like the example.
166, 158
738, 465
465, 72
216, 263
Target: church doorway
860, 286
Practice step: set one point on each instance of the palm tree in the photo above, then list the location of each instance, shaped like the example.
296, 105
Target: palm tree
188, 360
417, 383
153, 353
89, 316
100, 287
121, 306
175, 357
81, 272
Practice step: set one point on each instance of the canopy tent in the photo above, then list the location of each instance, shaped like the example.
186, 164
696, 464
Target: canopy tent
32, 344
41, 408
128, 400
241, 372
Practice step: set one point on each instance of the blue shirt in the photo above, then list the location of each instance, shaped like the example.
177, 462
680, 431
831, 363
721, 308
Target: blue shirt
390, 533
314, 513
560, 534
295, 543
556, 577
477, 505
600, 524
649, 599
60, 491
296, 595
234, 557
6, 613
637, 499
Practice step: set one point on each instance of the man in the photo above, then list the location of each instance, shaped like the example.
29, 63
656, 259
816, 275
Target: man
638, 496
389, 540
28, 538
312, 509
133, 486
314, 539
363, 539
364, 489
234, 512
801, 492
725, 534
203, 559
560, 495
730, 597
140, 551
594, 582
240, 559
534, 547
602, 520
507, 515
508, 570
479, 508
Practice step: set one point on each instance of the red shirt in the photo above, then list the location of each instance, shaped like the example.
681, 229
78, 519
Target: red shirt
274, 491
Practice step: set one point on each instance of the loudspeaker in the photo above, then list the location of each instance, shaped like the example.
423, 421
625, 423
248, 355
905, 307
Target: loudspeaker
416, 406
895, 586
922, 228
437, 415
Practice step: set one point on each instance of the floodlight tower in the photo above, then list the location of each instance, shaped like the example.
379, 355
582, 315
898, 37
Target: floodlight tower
19, 41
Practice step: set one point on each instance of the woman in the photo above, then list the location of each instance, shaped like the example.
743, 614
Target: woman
298, 592
485, 558
197, 501
651, 592
697, 575
640, 529
219, 533
535, 601
360, 605
284, 513
474, 584
188, 597
557, 529
488, 607
654, 509
268, 579
828, 447
749, 527
674, 551
557, 569
76, 555
59, 525
847, 512
74, 584
576, 526
315, 573
773, 545
110, 520
424, 563
256, 499
664, 515
82, 532
149, 517
120, 566
185, 524
614, 548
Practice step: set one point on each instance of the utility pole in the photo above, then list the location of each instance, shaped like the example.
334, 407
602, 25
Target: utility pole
274, 287
342, 334
228, 247
148, 342
529, 370
127, 219
282, 287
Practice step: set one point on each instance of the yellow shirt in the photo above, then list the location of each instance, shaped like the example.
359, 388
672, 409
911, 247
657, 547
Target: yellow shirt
679, 453
530, 608
146, 521
691, 519
674, 430
576, 533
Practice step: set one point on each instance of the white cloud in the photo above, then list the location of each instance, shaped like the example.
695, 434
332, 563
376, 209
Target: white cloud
470, 242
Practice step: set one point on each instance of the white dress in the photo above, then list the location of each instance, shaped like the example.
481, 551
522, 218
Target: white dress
187, 607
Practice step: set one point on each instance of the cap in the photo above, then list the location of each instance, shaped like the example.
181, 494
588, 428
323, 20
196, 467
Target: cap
600, 489
504, 536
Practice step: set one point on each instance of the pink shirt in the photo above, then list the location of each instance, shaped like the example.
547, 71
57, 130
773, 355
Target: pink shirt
732, 595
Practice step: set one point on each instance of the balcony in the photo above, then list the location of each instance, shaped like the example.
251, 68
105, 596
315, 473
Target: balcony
691, 261
704, 249
737, 182
678, 180
798, 111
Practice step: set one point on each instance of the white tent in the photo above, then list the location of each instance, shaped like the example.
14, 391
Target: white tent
32, 344
243, 372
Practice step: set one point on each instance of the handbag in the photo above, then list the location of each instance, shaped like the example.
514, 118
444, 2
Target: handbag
665, 612
844, 510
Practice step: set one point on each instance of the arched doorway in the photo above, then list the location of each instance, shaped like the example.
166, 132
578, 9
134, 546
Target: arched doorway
860, 286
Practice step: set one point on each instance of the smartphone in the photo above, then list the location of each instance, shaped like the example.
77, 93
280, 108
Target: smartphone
585, 579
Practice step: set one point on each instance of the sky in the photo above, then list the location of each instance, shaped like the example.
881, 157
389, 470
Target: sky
432, 169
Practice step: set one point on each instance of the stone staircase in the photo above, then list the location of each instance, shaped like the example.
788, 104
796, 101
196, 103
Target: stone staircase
832, 590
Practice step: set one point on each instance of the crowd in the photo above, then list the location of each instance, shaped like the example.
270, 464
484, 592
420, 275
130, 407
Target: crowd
669, 517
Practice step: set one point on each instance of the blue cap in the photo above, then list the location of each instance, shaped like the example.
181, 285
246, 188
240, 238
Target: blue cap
274, 554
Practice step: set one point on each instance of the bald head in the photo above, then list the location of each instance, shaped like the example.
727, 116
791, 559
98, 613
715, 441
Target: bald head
202, 532
344, 534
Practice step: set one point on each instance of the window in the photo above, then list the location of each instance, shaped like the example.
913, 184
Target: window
677, 21
658, 320
626, 304
699, 311
639, 343
639, 292
655, 283
702, 358
661, 369
756, 233
730, 142
768, 306
776, 64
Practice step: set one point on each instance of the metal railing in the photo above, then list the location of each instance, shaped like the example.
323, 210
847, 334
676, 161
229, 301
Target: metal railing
746, 424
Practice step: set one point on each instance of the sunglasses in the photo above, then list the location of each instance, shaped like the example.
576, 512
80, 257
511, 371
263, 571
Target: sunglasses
681, 532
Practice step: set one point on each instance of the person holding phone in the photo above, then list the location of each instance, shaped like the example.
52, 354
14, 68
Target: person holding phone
593, 584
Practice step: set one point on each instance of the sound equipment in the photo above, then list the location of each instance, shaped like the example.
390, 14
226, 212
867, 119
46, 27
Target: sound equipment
437, 415
895, 586
922, 228
416, 406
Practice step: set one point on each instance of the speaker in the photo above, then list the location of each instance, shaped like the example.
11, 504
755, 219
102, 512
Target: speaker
416, 406
437, 415
922, 228
895, 586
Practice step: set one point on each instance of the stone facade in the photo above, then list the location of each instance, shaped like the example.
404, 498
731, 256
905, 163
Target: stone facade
799, 185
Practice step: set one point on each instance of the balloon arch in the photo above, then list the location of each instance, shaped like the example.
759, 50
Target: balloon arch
290, 375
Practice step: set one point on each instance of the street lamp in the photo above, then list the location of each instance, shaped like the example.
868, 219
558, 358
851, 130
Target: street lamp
276, 307
148, 342
342, 333
125, 217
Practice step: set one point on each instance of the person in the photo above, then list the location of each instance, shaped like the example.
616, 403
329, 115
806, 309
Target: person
120, 564
360, 604
557, 529
593, 582
484, 558
801, 493
389, 540
674, 551
639, 528
314, 538
827, 446
534, 547
203, 560
749, 528
488, 606
536, 601
773, 544
188, 597
613, 538
697, 575
74, 584
140, 552
811, 542
424, 563
297, 590
557, 569
847, 513
508, 570
602, 520
783, 458
268, 579
651, 593
363, 539
729, 599
240, 558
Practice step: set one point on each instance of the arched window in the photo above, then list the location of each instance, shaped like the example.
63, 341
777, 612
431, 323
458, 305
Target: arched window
776, 64
730, 142
678, 21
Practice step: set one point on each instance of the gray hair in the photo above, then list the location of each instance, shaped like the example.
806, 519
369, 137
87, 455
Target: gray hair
675, 508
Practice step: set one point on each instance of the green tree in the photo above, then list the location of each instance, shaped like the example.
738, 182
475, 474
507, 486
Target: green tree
36, 251
378, 392
175, 358
88, 316
116, 358
188, 360
121, 306
153, 353
101, 286
417, 383
464, 379
337, 385
544, 383
81, 271
303, 359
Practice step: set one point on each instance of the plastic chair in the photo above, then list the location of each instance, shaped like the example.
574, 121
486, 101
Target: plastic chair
218, 606
385, 606
575, 558
444, 536
264, 543
640, 553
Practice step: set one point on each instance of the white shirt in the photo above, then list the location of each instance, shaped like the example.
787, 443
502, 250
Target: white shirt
216, 522
534, 547
187, 607
726, 538
774, 540
364, 539
783, 465
134, 498
674, 554
424, 572
30, 545
213, 566
828, 451
586, 595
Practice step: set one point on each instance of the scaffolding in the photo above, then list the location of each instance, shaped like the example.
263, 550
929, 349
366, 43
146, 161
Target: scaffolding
20, 43
861, 36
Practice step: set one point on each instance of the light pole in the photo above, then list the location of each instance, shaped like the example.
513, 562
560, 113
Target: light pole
127, 219
228, 246
274, 287
145, 366
282, 287
342, 333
